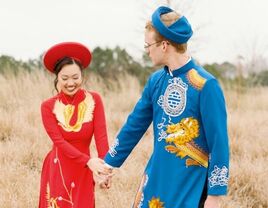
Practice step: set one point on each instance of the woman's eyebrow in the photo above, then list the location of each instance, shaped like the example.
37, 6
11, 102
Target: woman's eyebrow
65, 75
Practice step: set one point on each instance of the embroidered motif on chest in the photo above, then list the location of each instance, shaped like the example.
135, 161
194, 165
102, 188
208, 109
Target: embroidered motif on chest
195, 79
173, 101
64, 113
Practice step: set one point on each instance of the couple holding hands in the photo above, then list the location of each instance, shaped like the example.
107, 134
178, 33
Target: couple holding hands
189, 166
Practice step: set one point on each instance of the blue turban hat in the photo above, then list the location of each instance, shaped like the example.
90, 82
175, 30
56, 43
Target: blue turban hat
178, 32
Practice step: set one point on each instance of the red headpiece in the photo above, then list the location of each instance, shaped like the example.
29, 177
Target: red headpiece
73, 50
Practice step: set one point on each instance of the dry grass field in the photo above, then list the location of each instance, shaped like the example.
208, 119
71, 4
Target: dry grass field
24, 143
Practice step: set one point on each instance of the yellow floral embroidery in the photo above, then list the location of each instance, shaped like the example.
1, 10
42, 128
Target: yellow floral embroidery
156, 203
181, 136
195, 79
64, 113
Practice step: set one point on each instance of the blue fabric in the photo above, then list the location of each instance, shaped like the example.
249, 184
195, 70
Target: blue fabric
189, 94
178, 32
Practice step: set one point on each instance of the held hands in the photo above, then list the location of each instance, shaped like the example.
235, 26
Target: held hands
212, 202
102, 174
106, 183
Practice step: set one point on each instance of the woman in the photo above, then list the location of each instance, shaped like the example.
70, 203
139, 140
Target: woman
70, 119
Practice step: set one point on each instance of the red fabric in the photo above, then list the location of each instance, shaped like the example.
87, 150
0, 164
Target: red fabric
66, 180
66, 49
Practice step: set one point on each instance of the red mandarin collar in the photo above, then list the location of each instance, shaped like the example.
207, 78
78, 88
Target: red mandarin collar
76, 98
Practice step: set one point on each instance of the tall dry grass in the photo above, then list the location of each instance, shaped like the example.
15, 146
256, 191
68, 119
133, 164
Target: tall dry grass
24, 143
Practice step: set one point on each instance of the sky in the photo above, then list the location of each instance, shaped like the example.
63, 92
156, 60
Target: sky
223, 30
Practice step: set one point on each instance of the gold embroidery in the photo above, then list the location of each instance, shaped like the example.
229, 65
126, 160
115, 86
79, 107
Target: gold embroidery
64, 113
195, 79
191, 162
182, 135
51, 202
183, 132
156, 203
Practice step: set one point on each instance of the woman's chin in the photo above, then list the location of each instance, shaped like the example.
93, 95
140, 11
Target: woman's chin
70, 93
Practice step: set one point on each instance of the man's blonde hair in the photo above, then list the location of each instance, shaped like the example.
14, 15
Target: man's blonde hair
168, 19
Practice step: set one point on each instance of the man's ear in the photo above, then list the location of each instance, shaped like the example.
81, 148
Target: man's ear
164, 46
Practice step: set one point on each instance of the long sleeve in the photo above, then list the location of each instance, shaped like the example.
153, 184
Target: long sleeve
100, 130
214, 119
52, 129
132, 131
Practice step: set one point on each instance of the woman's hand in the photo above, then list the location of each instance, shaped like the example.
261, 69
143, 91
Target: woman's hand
98, 166
212, 202
99, 169
106, 184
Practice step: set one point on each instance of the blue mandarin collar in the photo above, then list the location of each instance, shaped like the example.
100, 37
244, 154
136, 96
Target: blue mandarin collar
191, 64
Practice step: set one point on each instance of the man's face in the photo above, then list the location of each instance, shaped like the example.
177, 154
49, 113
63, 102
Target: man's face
153, 48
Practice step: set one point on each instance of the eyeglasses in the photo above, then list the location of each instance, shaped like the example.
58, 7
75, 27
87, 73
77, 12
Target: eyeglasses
147, 45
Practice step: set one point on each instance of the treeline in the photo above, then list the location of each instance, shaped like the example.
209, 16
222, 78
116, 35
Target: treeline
232, 75
109, 63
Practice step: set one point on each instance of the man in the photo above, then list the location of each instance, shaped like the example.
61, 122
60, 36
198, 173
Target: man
190, 160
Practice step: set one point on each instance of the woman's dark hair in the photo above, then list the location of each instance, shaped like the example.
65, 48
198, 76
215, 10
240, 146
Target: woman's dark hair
60, 64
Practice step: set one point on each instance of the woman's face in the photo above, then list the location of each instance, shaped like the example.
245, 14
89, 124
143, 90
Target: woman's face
69, 79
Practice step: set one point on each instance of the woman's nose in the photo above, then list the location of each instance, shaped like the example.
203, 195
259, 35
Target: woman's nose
70, 82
